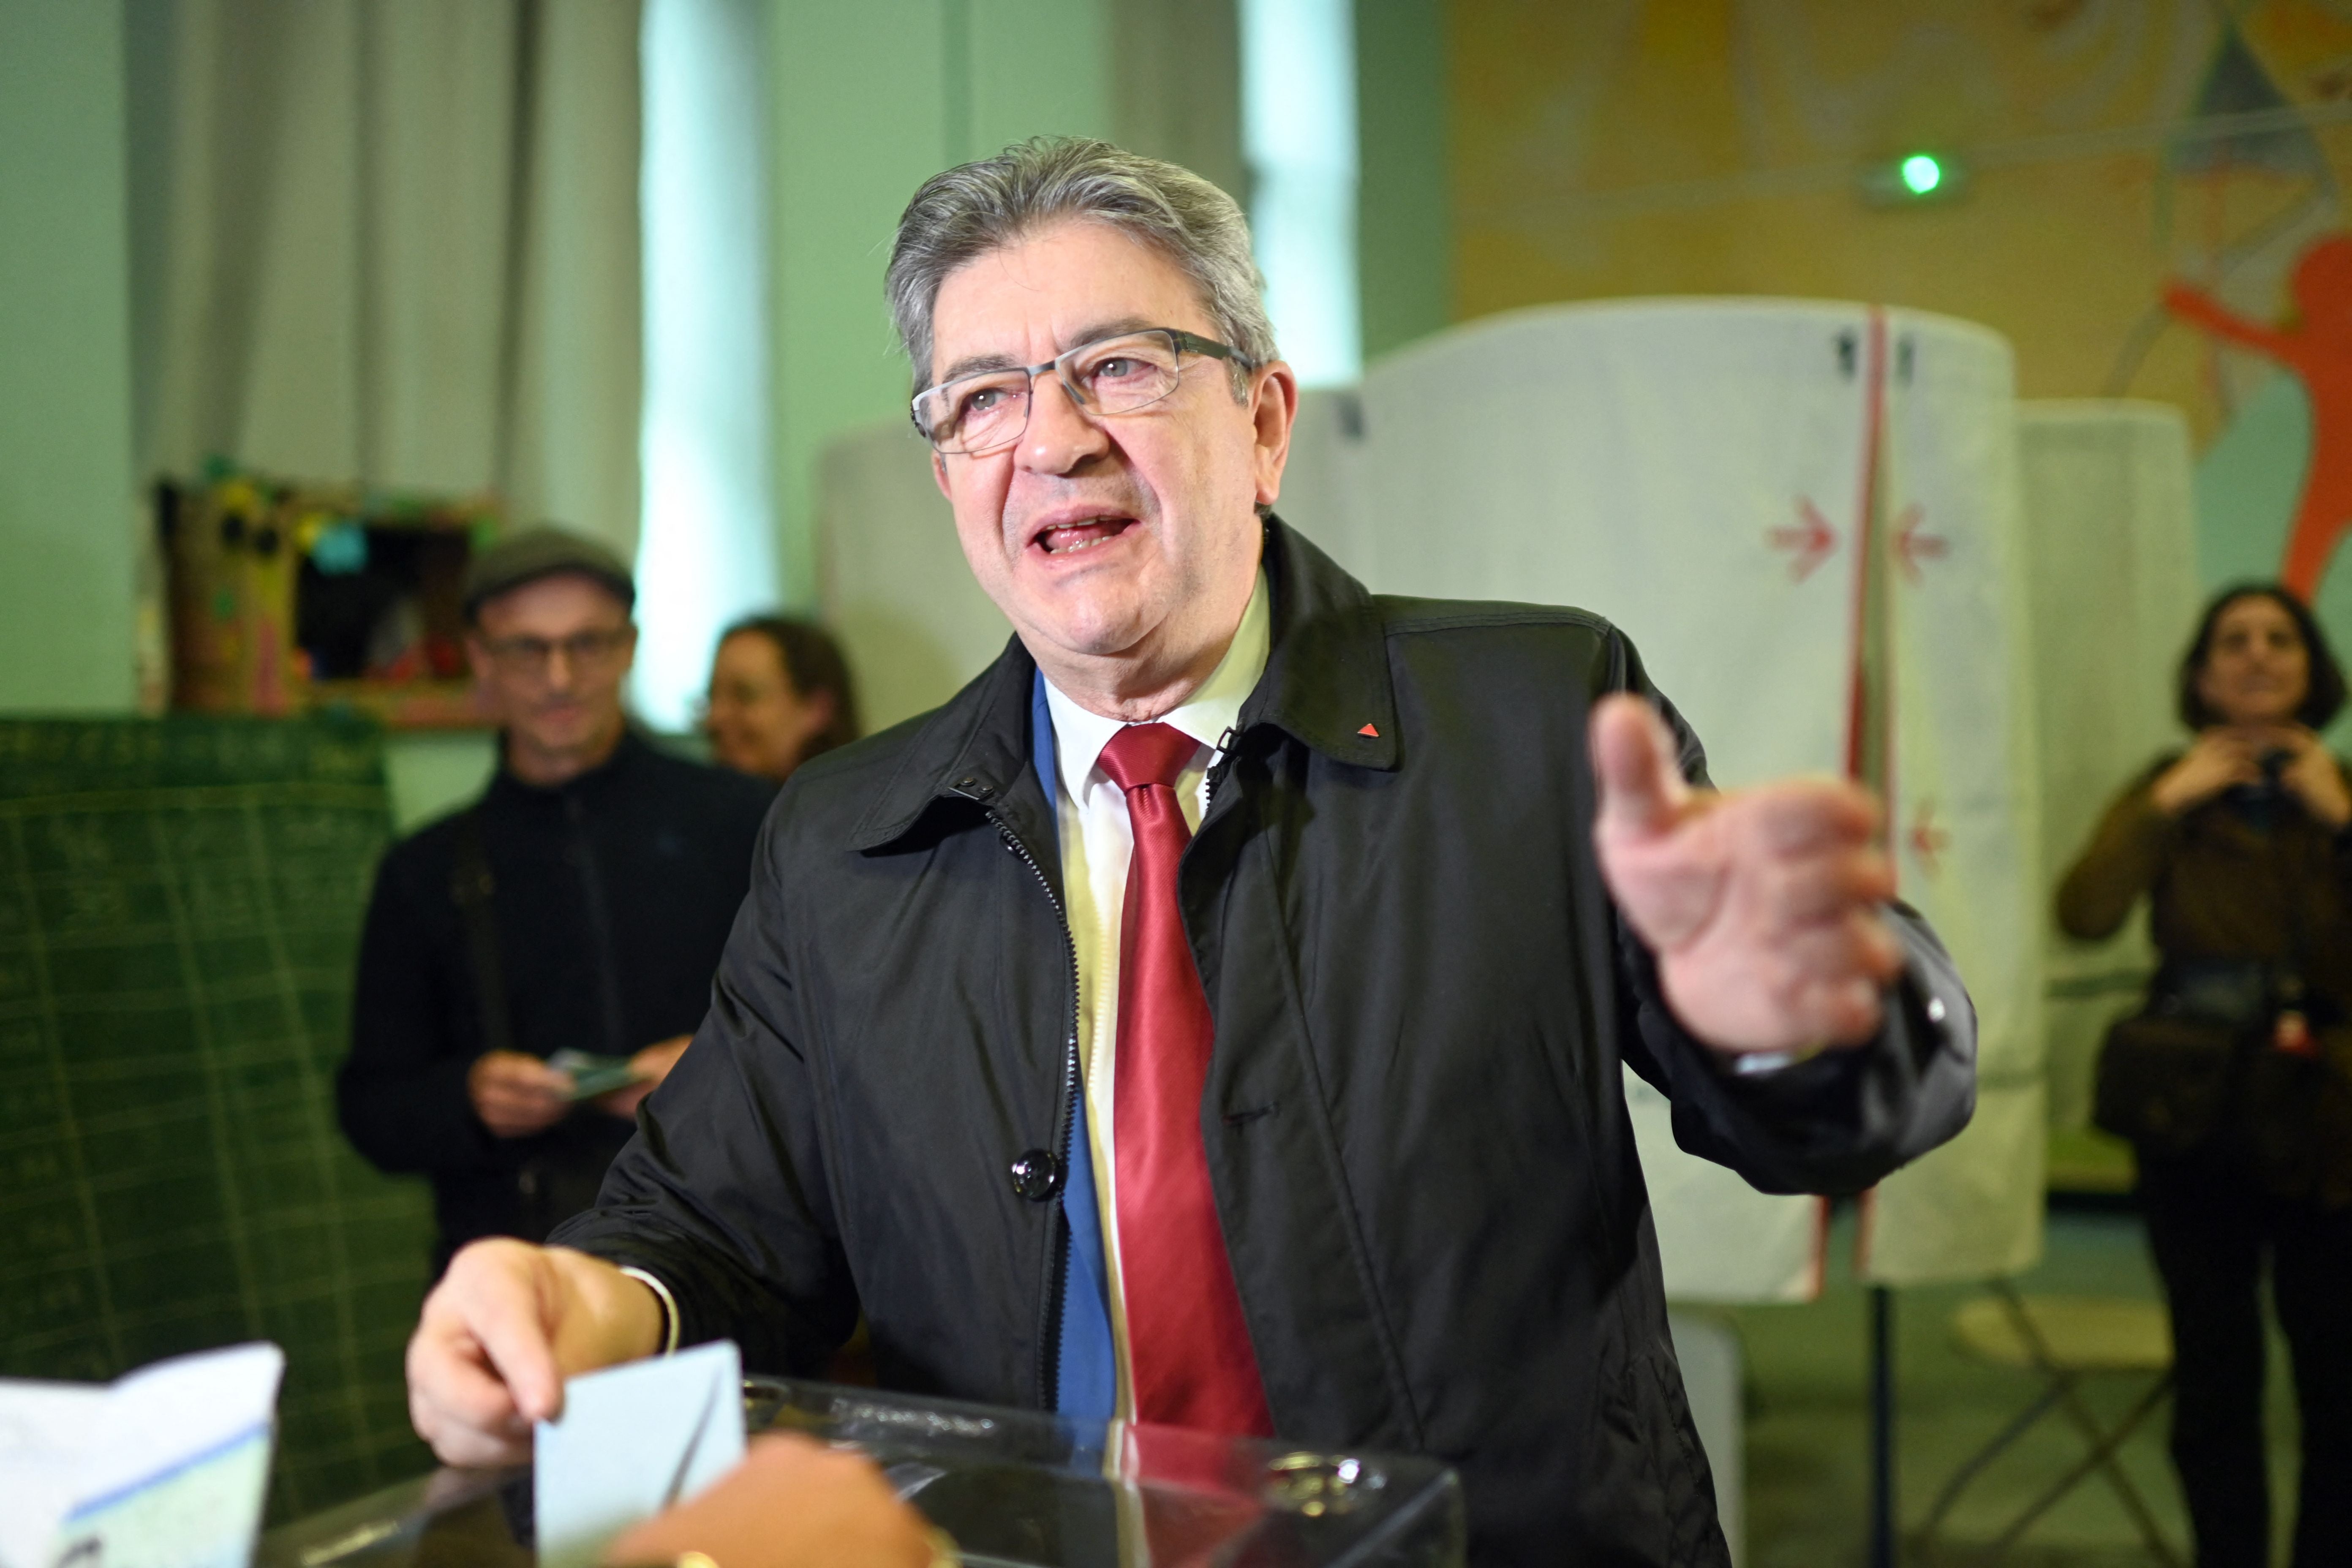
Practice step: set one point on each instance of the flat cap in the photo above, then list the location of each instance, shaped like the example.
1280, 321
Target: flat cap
542, 551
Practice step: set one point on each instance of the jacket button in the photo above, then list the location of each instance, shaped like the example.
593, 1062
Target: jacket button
1037, 1176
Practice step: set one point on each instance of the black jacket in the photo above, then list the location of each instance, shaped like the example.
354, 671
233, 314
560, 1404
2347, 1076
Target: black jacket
611, 898
1415, 1123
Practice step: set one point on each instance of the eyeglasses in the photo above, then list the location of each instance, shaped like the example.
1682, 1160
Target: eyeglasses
986, 411
589, 650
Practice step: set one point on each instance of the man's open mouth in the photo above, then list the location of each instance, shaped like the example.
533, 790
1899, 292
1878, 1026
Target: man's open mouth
1068, 538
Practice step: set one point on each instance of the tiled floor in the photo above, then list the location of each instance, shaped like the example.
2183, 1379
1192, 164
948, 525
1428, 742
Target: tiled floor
1808, 1390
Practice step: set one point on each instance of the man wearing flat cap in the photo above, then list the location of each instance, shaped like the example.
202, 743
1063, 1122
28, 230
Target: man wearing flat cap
579, 904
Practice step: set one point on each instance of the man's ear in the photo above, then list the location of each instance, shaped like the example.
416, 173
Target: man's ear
940, 475
1274, 408
477, 653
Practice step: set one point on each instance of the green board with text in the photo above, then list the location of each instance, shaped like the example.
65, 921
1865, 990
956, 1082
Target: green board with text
180, 907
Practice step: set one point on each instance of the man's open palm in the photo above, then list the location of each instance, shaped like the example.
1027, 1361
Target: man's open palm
1762, 905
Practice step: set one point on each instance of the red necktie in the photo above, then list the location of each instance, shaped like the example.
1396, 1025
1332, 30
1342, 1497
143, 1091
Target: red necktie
1187, 1345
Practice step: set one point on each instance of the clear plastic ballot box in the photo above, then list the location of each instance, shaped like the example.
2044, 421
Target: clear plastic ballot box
1013, 1486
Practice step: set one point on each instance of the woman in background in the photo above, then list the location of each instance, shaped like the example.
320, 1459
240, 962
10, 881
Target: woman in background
780, 694
2240, 844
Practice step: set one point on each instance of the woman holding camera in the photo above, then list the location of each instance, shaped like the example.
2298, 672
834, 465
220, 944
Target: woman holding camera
2232, 1083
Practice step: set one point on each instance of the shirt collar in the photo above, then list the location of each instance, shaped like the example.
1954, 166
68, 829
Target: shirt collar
1207, 715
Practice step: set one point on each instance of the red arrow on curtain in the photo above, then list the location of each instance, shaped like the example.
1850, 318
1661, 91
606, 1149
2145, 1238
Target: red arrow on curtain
1810, 544
1912, 546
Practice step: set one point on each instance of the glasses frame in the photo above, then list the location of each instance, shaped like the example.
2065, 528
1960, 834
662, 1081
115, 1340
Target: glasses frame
530, 657
1181, 340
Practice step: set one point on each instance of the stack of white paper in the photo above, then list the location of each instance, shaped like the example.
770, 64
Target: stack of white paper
165, 1469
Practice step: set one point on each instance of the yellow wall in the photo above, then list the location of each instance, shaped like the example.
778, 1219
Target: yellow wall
1706, 146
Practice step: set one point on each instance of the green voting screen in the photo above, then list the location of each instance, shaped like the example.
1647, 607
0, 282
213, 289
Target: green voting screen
180, 905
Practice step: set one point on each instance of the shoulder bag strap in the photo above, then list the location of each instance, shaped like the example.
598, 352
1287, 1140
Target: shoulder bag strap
470, 887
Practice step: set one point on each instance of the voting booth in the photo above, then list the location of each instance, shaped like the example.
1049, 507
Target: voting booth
1807, 518
912, 621
2111, 536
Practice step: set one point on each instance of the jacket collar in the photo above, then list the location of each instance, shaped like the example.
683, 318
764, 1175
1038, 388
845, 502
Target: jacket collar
1326, 683
1327, 680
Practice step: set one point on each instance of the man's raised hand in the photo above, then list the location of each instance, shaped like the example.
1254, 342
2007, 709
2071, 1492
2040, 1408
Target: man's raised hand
1762, 905
507, 1323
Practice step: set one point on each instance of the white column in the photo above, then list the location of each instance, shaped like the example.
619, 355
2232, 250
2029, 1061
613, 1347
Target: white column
1298, 136
707, 550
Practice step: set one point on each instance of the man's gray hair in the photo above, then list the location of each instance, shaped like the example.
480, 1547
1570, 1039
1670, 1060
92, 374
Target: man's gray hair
974, 208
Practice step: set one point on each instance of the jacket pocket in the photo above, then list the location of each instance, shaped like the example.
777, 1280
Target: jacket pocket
1685, 1483
1651, 1498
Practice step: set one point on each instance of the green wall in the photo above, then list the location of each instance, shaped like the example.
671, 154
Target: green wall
870, 101
1404, 227
68, 517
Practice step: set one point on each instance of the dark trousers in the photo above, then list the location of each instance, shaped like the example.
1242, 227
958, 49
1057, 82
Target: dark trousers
2212, 1227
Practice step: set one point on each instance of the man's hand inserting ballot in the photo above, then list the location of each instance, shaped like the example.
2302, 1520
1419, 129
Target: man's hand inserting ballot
507, 1323
1761, 905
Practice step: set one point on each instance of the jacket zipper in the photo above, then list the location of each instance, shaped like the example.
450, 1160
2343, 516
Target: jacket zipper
1049, 1323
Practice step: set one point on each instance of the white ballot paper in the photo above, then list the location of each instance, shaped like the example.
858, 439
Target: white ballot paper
631, 1441
166, 1467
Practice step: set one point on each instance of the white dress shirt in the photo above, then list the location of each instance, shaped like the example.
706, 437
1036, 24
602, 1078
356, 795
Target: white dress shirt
1096, 842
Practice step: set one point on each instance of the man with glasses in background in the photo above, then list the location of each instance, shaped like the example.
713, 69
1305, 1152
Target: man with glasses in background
575, 911
1213, 1014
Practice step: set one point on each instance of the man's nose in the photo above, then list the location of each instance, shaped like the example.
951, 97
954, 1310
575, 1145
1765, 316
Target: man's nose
1060, 437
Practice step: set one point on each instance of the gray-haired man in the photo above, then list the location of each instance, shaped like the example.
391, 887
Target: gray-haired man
1212, 1014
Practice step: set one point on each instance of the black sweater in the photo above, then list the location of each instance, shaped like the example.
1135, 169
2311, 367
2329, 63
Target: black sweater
613, 896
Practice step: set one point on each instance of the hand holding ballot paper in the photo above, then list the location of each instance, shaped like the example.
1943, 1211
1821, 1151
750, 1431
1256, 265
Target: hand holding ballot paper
592, 1075
647, 1463
514, 1347
618, 1084
501, 1333
516, 1094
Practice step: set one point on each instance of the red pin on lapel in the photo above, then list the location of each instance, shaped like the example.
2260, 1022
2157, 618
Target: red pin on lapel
1369, 729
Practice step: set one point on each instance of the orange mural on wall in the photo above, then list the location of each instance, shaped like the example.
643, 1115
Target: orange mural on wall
2318, 347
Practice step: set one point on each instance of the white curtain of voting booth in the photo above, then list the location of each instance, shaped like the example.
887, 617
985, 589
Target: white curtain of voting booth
1962, 789
912, 621
2110, 528
1704, 473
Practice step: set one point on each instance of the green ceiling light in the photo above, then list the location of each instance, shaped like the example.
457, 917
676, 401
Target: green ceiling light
1913, 178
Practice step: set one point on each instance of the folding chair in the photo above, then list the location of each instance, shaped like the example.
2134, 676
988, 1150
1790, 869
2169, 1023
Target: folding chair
2068, 1339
